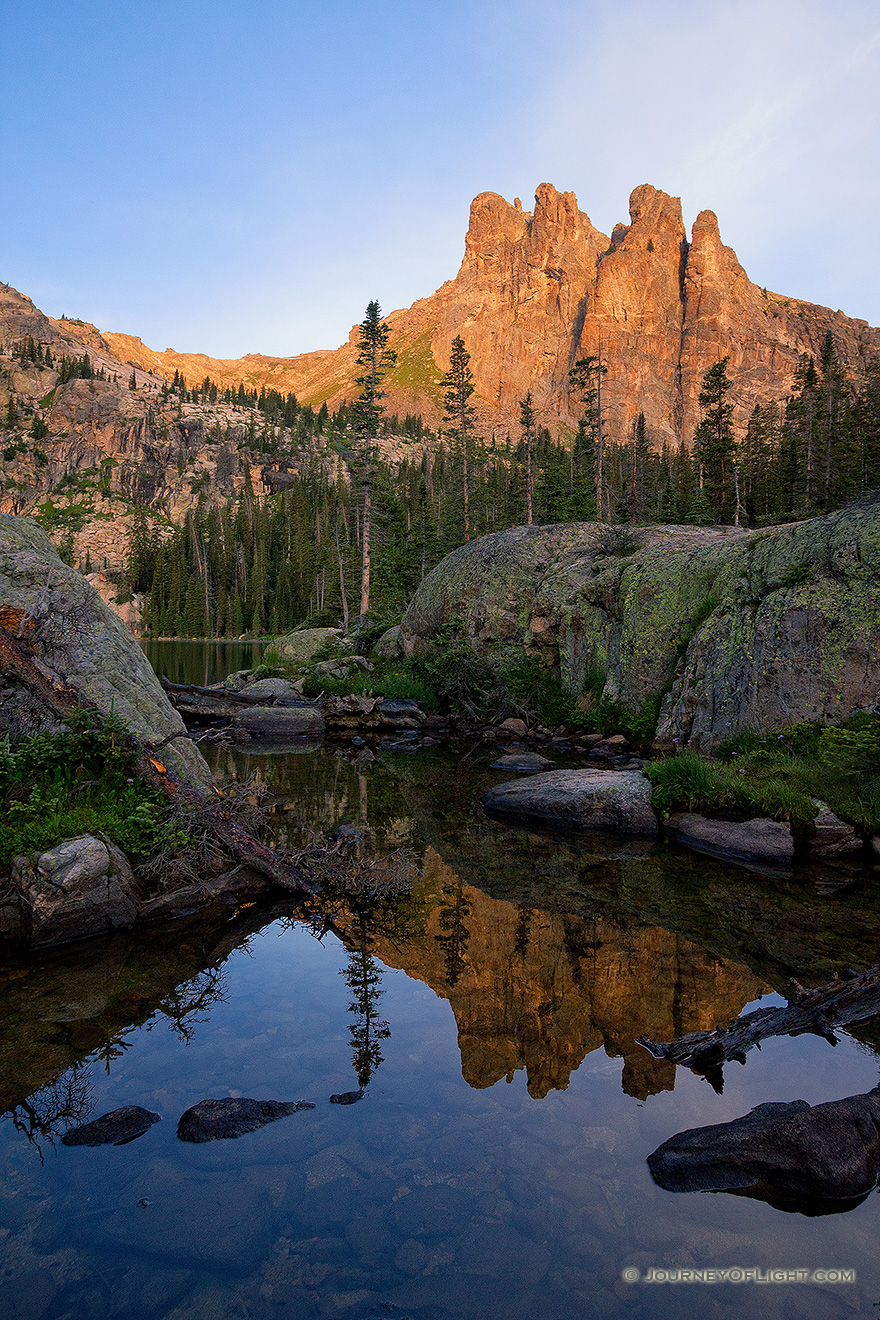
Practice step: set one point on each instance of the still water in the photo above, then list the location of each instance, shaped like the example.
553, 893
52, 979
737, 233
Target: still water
495, 1166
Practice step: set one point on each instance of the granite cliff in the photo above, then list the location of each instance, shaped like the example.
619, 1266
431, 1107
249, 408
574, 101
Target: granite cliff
725, 629
537, 290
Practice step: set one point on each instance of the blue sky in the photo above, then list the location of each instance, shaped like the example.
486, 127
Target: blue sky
228, 178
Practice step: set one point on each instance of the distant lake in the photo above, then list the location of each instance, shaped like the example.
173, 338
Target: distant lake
200, 662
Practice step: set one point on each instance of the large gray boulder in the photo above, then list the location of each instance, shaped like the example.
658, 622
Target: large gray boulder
811, 1159
757, 840
616, 802
734, 629
82, 887
79, 637
299, 647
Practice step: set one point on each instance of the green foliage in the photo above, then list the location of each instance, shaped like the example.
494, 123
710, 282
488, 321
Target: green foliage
689, 783
780, 774
59, 785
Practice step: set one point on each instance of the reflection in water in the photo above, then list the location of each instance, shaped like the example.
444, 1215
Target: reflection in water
49, 1112
443, 1200
364, 978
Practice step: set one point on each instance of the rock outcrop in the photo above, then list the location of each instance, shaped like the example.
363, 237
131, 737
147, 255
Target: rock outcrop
536, 290
726, 629
77, 635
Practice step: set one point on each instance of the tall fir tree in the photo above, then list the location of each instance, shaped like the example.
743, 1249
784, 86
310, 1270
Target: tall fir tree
375, 359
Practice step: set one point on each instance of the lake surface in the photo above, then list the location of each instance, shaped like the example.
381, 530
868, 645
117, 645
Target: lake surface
495, 1166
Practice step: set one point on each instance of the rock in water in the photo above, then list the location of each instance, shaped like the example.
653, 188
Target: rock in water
619, 803
813, 1160
755, 840
113, 1129
215, 1120
347, 1097
529, 762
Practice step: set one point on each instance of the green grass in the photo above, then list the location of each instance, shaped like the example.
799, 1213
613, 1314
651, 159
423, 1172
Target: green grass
60, 785
780, 774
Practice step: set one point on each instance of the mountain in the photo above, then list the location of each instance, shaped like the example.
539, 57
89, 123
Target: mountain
537, 290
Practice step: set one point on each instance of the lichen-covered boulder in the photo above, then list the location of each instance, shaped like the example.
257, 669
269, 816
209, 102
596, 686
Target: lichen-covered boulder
727, 629
80, 638
82, 887
280, 721
299, 647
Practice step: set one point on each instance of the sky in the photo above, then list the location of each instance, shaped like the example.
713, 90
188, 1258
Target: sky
227, 178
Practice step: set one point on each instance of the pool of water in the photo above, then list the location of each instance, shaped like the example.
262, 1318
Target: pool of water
495, 1166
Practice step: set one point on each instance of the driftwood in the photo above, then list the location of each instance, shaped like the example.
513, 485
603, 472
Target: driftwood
18, 661
851, 997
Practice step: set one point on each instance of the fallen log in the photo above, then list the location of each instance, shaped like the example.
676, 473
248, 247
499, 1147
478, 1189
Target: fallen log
18, 661
849, 998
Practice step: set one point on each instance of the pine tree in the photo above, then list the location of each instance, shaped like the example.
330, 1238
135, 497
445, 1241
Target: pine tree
375, 360
527, 439
714, 445
459, 416
588, 456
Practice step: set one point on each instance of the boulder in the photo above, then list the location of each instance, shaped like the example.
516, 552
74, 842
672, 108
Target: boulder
814, 1160
833, 837
114, 1129
731, 629
82, 887
617, 802
757, 840
530, 762
79, 637
218, 1120
390, 645
299, 647
280, 691
280, 721
512, 728
401, 714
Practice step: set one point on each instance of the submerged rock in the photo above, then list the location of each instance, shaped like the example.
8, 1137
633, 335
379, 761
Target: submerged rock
347, 1097
755, 840
618, 802
216, 1120
813, 1160
113, 1129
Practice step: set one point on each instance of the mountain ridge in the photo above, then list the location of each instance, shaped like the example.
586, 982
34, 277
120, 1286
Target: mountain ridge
538, 289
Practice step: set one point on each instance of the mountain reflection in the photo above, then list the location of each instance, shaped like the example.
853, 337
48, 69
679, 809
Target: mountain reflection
542, 990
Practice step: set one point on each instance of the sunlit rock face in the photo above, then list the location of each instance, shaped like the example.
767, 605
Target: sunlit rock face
538, 289
540, 991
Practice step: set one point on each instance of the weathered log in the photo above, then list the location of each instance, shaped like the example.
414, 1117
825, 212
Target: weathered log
851, 997
18, 661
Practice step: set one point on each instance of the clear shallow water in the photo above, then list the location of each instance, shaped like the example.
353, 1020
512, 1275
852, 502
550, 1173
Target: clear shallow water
496, 1164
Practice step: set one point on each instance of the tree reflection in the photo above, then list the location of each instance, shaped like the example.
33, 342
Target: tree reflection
453, 913
47, 1113
188, 1004
363, 976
